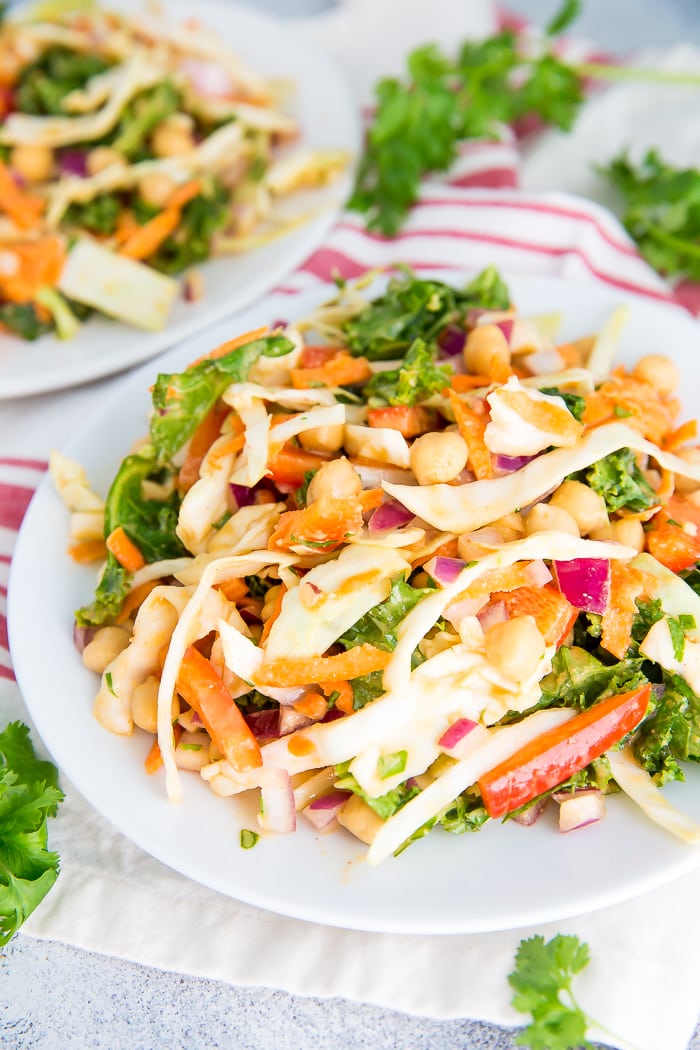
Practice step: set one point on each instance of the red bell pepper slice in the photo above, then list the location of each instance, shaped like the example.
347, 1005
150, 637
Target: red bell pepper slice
205, 691
554, 756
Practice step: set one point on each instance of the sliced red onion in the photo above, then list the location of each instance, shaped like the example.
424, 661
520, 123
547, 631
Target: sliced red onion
580, 809
208, 78
495, 612
537, 573
451, 340
585, 582
507, 464
82, 636
456, 732
532, 814
506, 326
265, 724
242, 494
444, 570
391, 515
458, 611
277, 810
332, 714
323, 811
73, 162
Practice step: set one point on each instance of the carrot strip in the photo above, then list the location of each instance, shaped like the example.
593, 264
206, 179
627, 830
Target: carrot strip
23, 208
462, 384
145, 240
125, 550
201, 441
685, 432
232, 344
203, 689
341, 370
471, 426
409, 420
154, 759
276, 610
233, 590
289, 465
311, 704
626, 585
135, 598
87, 551
344, 697
183, 194
38, 263
305, 670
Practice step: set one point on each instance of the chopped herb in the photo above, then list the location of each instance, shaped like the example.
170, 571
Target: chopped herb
108, 680
248, 838
390, 765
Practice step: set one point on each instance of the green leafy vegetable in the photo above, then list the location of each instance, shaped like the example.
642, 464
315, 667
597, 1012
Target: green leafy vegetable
416, 380
419, 121
575, 404
579, 679
190, 243
43, 84
384, 805
390, 765
99, 215
181, 400
138, 119
618, 479
29, 794
22, 319
149, 523
672, 733
542, 980
661, 211
413, 308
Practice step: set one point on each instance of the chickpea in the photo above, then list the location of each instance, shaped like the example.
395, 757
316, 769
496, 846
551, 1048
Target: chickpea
107, 643
627, 530
323, 439
545, 518
144, 705
515, 647
360, 820
690, 455
337, 478
33, 163
660, 371
103, 157
437, 458
172, 138
584, 504
485, 347
155, 188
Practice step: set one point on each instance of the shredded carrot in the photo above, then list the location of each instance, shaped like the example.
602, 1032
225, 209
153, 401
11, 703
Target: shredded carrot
228, 448
626, 585
232, 344
87, 551
38, 264
462, 384
126, 227
311, 704
288, 465
327, 523
343, 694
23, 208
233, 590
687, 431
471, 425
276, 610
305, 670
134, 599
636, 401
315, 356
201, 441
667, 486
147, 239
570, 354
341, 370
183, 194
154, 759
125, 550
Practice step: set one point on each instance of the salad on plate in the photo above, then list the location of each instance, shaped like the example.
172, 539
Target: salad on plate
132, 149
409, 561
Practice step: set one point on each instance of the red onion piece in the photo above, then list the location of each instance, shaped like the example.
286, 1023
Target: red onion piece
265, 724
532, 814
456, 732
332, 714
208, 78
444, 570
506, 326
508, 464
451, 340
73, 162
585, 582
537, 573
458, 611
391, 515
242, 494
580, 809
82, 636
277, 811
495, 612
323, 811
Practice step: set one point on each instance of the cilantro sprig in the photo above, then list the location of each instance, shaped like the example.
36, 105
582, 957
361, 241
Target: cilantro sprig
29, 795
542, 980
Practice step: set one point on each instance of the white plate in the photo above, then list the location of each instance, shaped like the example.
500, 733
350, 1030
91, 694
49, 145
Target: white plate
503, 877
328, 119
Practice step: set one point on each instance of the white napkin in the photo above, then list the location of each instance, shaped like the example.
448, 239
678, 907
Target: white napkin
643, 981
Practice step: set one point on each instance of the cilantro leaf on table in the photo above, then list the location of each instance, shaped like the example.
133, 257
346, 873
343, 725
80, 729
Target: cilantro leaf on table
420, 121
542, 980
661, 211
29, 794
417, 379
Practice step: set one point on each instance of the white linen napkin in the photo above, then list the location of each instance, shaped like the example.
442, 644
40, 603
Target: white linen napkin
643, 981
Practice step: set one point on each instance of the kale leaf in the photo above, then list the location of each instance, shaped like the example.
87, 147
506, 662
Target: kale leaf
190, 243
43, 84
672, 733
384, 805
23, 320
417, 379
618, 479
579, 679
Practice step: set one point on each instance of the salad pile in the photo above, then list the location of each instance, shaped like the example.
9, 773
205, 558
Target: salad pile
132, 149
410, 561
